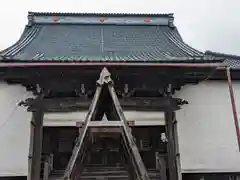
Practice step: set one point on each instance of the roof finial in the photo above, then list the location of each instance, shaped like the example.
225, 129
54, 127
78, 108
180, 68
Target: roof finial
171, 20
105, 77
30, 18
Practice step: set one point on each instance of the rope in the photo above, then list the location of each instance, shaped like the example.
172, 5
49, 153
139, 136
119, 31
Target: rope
9, 117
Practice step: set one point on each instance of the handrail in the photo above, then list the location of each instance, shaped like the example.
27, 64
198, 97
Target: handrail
46, 171
132, 158
76, 171
51, 161
80, 140
161, 165
48, 166
138, 164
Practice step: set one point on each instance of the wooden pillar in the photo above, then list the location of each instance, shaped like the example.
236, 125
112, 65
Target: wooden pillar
36, 144
172, 168
32, 126
176, 145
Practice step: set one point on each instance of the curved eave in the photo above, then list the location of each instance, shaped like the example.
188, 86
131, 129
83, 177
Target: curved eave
3, 53
27, 36
176, 39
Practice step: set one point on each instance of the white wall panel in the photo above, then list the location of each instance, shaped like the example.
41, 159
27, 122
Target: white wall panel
141, 118
206, 128
14, 131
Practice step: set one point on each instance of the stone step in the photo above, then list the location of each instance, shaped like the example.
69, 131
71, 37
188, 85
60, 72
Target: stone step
117, 177
104, 173
103, 169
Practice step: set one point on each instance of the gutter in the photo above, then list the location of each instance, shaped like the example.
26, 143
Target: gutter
48, 64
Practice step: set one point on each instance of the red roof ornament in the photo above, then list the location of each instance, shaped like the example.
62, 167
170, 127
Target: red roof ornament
55, 19
101, 20
147, 20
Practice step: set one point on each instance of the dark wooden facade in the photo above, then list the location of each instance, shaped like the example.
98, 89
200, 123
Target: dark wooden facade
145, 102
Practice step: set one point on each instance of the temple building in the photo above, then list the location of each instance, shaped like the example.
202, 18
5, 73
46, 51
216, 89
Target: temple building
116, 96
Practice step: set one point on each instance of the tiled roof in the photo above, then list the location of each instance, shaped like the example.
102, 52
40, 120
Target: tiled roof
101, 37
232, 61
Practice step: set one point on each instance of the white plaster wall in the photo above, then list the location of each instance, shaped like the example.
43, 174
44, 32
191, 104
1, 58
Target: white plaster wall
207, 136
140, 118
14, 131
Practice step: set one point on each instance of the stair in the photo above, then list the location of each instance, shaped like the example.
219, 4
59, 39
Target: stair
154, 174
56, 175
104, 173
100, 172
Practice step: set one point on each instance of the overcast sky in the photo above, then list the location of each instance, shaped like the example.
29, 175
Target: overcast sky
204, 24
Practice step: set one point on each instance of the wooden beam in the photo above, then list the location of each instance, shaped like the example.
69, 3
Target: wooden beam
105, 124
79, 146
131, 103
139, 167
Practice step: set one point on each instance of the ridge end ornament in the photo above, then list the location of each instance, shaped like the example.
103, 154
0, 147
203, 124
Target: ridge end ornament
105, 77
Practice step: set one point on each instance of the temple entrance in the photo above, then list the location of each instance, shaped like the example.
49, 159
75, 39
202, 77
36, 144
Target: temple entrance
106, 148
113, 143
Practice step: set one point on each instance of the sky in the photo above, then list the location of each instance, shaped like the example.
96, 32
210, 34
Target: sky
203, 24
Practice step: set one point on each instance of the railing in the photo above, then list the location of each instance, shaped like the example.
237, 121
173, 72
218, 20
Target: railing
48, 166
128, 140
74, 168
77, 167
70, 171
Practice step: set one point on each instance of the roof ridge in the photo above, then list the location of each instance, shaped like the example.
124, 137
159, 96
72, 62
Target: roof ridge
101, 18
95, 13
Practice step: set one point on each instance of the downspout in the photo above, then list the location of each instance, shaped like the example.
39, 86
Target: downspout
234, 109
